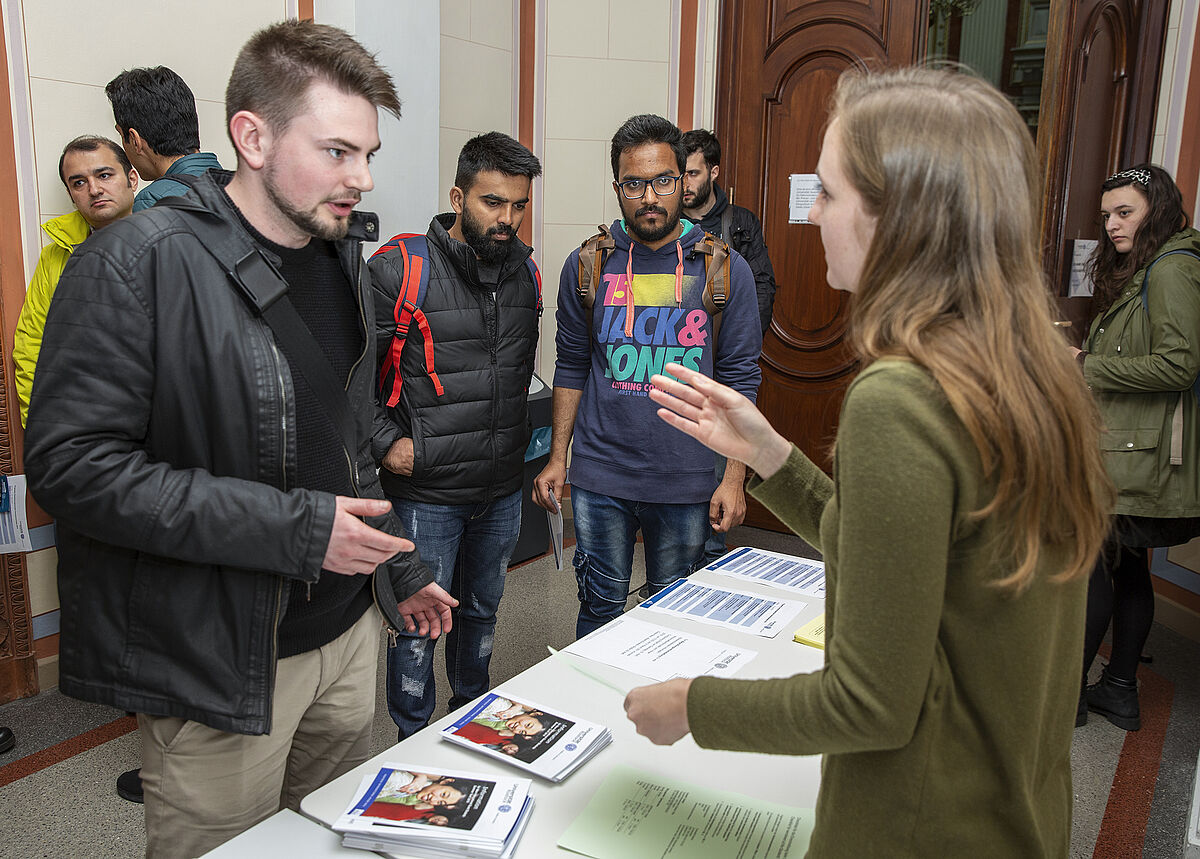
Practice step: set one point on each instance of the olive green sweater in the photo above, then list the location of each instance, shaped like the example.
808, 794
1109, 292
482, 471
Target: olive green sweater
945, 707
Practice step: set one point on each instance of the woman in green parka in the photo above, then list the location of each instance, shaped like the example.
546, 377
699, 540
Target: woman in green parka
1141, 359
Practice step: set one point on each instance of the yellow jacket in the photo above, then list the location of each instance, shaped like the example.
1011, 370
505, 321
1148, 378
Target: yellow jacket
67, 233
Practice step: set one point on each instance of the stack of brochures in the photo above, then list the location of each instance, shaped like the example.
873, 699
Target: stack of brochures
547, 743
436, 812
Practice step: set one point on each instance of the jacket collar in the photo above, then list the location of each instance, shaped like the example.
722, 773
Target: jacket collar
192, 164
463, 258
1186, 239
721, 204
68, 231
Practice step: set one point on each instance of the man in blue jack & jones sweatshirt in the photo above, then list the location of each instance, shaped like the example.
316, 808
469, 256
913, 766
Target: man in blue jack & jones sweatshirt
629, 471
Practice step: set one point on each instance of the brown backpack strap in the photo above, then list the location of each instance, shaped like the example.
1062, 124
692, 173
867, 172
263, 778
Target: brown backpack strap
716, 274
591, 268
716, 279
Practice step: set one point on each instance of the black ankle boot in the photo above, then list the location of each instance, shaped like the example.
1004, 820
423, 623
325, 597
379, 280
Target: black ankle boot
1116, 700
1081, 711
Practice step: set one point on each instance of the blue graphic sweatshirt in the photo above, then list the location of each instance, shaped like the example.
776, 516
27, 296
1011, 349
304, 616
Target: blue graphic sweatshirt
621, 447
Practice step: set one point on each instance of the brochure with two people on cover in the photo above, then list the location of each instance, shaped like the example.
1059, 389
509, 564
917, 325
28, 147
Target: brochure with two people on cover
528, 735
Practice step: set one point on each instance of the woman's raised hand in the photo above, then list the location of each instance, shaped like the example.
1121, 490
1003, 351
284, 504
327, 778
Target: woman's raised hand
718, 417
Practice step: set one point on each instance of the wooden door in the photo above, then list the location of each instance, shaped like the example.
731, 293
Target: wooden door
1103, 68
777, 66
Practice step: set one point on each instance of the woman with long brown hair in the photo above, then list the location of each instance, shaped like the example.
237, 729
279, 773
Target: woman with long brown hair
967, 504
1140, 359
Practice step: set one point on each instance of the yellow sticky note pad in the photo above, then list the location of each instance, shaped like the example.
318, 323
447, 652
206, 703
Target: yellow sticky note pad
812, 633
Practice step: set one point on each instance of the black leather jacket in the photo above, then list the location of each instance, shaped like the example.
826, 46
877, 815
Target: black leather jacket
162, 438
745, 237
469, 442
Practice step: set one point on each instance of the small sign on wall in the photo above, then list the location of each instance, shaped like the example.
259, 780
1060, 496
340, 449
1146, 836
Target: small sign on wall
1081, 284
804, 190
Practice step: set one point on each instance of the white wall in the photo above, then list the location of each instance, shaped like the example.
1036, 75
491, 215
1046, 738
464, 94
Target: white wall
1172, 99
405, 38
478, 69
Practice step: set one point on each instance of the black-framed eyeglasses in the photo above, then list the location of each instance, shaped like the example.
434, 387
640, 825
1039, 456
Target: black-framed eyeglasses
635, 189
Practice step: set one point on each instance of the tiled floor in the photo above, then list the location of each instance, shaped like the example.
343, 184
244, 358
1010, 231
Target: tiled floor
70, 809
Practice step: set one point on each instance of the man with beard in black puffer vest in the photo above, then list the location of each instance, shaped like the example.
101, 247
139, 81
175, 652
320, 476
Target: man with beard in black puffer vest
456, 362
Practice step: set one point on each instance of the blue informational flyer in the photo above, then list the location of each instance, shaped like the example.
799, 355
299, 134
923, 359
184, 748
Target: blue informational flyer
802, 575
740, 610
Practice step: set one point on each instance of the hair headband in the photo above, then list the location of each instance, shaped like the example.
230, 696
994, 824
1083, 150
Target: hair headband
1142, 177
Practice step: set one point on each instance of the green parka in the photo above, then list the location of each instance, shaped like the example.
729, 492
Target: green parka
1141, 365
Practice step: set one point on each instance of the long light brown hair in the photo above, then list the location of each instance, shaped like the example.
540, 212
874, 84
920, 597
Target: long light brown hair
952, 282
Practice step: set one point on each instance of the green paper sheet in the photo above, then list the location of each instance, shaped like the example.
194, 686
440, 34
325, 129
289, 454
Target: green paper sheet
635, 813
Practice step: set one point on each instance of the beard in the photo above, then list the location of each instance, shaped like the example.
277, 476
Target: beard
648, 235
486, 243
701, 195
309, 221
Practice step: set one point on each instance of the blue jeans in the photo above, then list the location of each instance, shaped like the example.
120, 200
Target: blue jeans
714, 546
605, 532
467, 547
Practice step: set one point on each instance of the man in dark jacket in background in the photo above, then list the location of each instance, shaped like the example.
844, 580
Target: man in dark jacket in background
156, 118
216, 574
455, 392
705, 203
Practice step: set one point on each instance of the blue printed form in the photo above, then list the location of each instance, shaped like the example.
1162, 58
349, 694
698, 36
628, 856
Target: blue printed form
745, 612
802, 575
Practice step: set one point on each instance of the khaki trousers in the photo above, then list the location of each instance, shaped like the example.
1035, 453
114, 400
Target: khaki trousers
205, 786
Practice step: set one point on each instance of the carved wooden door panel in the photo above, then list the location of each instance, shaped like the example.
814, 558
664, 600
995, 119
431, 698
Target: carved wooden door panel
778, 63
1097, 117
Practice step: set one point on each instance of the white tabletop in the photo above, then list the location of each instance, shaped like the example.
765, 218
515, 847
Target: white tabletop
554, 683
284, 835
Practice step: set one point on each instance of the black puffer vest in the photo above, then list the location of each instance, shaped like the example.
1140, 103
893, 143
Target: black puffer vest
469, 441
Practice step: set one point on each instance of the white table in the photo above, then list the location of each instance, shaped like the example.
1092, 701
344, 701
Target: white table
554, 683
284, 835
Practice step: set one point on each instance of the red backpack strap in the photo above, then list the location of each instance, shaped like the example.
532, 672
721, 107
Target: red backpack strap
423, 327
537, 279
413, 249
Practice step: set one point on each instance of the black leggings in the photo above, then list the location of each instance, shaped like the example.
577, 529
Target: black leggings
1119, 590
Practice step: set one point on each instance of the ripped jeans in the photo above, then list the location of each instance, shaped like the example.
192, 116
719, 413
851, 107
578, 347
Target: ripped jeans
467, 547
605, 530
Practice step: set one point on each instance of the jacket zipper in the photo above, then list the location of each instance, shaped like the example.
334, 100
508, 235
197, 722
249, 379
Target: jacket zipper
392, 634
283, 422
362, 317
493, 345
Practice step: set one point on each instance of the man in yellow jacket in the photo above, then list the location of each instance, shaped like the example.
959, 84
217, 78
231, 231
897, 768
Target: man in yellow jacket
102, 184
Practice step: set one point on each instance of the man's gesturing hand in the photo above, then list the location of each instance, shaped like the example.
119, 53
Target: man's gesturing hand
354, 546
427, 612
